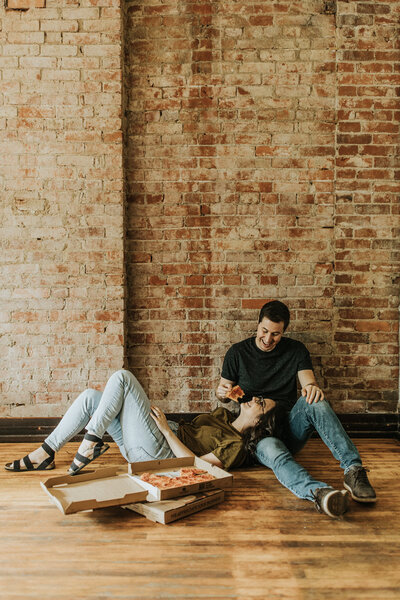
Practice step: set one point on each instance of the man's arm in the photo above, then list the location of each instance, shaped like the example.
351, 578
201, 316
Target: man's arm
224, 387
309, 387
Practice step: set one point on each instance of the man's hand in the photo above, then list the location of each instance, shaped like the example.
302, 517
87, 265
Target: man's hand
224, 387
312, 393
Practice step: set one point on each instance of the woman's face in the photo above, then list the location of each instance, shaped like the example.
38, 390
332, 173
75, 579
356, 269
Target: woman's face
256, 408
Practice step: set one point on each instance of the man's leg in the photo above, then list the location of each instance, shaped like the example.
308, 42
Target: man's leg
273, 453
304, 418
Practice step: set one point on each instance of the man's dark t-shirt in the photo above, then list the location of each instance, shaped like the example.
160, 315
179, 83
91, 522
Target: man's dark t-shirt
269, 374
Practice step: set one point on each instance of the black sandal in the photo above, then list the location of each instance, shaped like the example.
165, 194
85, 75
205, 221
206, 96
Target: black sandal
98, 450
46, 465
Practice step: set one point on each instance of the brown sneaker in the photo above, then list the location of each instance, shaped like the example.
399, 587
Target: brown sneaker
356, 481
333, 503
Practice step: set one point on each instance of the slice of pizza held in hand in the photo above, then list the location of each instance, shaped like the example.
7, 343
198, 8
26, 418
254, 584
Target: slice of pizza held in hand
235, 393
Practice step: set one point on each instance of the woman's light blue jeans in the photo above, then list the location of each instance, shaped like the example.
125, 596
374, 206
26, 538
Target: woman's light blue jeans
123, 410
303, 420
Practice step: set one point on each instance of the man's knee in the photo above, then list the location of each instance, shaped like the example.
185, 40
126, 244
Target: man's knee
320, 407
269, 450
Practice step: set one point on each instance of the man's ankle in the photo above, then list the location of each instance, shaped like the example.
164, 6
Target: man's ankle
357, 483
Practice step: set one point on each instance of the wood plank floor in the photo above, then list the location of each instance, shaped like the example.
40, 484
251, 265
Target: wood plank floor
261, 543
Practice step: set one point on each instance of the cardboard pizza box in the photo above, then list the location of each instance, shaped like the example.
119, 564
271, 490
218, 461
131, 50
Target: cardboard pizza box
109, 487
88, 491
171, 467
167, 511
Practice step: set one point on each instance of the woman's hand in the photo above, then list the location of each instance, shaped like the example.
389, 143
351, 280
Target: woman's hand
160, 419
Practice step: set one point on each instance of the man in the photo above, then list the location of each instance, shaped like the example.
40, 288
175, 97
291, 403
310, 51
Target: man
267, 366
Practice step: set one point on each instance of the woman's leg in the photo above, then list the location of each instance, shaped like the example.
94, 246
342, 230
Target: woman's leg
74, 420
142, 439
124, 401
123, 410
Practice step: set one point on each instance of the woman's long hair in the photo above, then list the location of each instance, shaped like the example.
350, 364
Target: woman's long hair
274, 423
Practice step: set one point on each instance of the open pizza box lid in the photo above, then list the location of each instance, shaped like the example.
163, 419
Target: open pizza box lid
102, 488
166, 511
171, 467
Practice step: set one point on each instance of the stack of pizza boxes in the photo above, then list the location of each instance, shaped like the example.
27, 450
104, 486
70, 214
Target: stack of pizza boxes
161, 490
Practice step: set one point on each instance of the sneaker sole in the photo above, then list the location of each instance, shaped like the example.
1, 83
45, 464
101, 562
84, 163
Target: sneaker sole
336, 503
356, 498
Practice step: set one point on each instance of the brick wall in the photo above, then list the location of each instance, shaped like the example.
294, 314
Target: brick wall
259, 157
365, 368
61, 217
260, 164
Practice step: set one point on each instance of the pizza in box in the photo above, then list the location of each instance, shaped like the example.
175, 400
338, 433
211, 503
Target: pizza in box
185, 476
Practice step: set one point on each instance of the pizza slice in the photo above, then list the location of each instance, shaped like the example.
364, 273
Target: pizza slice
235, 393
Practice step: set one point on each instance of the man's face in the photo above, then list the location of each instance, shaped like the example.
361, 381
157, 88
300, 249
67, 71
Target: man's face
269, 334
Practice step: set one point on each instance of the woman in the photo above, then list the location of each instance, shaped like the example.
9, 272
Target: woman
142, 431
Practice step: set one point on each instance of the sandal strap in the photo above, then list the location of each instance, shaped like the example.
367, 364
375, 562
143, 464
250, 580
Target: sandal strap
43, 465
16, 466
99, 449
47, 449
74, 468
28, 463
91, 437
83, 459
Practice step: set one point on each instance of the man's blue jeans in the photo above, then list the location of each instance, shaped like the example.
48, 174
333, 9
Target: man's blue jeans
303, 420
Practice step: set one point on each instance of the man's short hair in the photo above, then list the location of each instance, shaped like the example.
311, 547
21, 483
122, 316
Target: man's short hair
276, 312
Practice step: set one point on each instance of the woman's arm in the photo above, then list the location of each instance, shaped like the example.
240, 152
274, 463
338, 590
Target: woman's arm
212, 459
178, 447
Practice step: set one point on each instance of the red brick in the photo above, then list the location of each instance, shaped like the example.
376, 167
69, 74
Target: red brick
241, 181
25, 4
261, 20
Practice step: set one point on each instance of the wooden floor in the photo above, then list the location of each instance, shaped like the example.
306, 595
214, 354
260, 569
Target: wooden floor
261, 543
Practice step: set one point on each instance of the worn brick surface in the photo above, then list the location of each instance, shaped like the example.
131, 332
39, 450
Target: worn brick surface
260, 164
260, 158
364, 367
61, 209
